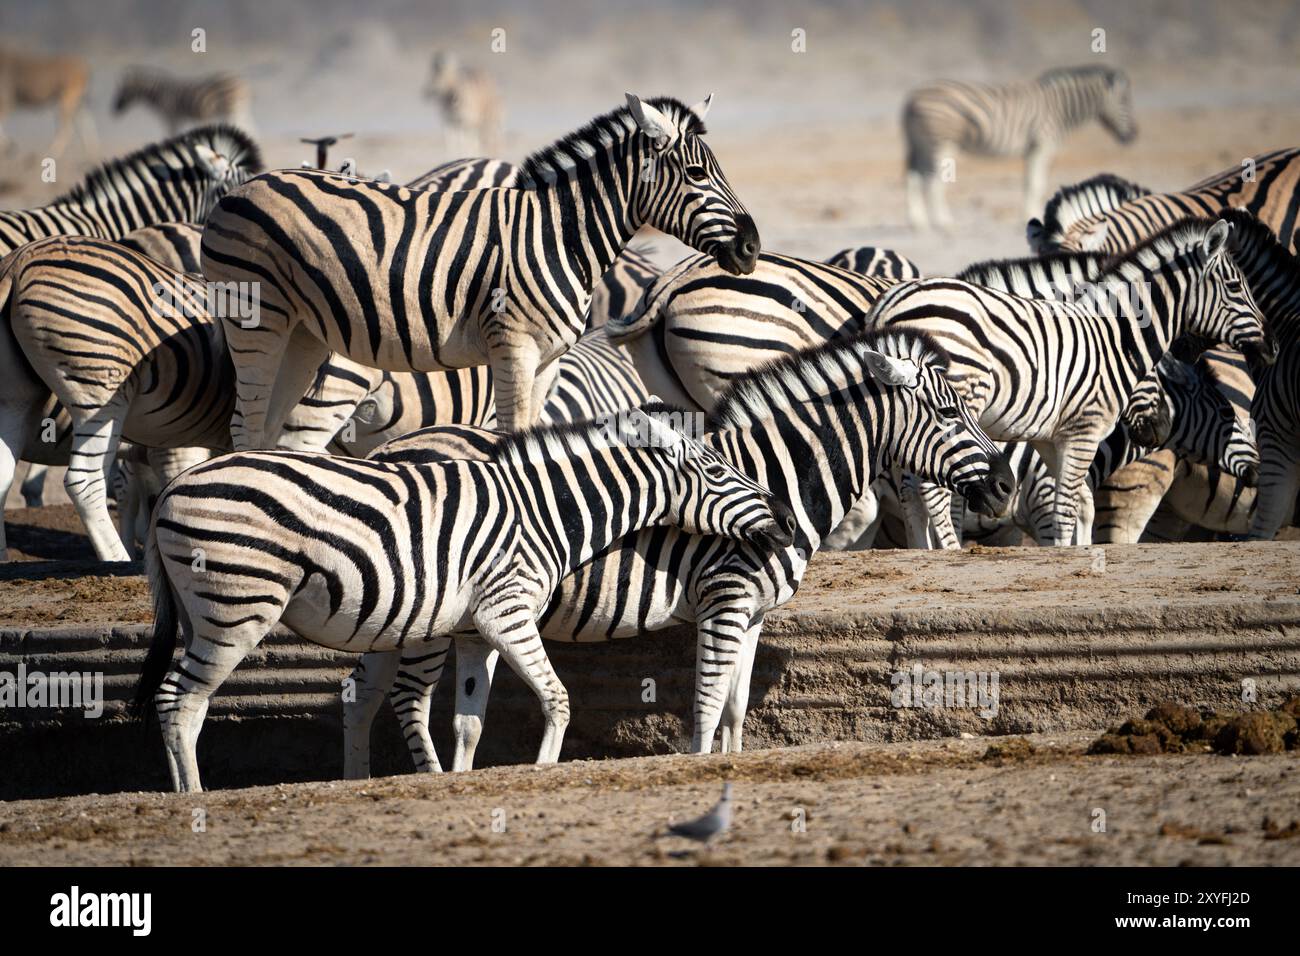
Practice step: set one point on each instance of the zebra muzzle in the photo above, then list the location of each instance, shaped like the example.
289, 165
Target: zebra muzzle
740, 256
991, 496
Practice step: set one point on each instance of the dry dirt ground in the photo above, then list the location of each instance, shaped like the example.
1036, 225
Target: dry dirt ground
931, 803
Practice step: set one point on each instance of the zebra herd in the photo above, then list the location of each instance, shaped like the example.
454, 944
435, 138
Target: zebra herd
469, 408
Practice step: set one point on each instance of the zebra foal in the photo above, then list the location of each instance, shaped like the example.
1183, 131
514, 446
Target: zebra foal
179, 102
364, 555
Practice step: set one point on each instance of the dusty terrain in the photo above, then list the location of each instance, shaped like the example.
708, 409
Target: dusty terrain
932, 803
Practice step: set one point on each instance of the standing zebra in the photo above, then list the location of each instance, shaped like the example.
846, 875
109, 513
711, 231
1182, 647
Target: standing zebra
470, 105
1016, 119
363, 555
180, 102
402, 280
34, 80
1107, 214
1058, 374
179, 179
1268, 205
848, 406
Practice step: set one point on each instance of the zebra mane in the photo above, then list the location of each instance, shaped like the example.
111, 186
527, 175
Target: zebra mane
1180, 235
1091, 197
221, 138
552, 163
1249, 232
546, 442
1025, 267
816, 372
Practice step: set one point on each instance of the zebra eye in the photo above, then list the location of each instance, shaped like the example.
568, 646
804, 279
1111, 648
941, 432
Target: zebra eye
716, 472
949, 412
697, 173
1226, 415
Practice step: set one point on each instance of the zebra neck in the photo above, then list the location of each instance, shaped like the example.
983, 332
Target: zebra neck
574, 520
1273, 275
593, 214
1150, 303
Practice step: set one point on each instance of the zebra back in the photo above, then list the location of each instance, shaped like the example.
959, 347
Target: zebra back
874, 261
174, 244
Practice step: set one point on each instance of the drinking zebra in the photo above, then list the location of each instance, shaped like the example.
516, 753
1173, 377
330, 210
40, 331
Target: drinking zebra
402, 280
1058, 374
470, 105
179, 102
366, 555
34, 80
814, 427
178, 179
1107, 214
1015, 119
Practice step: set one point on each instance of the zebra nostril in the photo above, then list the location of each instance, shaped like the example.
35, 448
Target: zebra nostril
748, 248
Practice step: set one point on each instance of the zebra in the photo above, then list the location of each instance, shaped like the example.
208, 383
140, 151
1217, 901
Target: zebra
1110, 215
1264, 212
1058, 374
1029, 119
34, 80
470, 105
128, 347
814, 426
179, 102
618, 290
400, 280
697, 327
367, 555
178, 179
874, 261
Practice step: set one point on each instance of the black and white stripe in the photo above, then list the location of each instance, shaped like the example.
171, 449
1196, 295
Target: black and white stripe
1015, 119
814, 427
366, 556
406, 280
178, 180
874, 261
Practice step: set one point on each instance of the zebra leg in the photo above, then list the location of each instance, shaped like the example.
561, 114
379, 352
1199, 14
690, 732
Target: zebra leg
724, 617
258, 351
370, 680
514, 374
33, 486
182, 700
861, 520
733, 713
1037, 160
94, 446
1068, 465
936, 196
917, 187
412, 693
514, 635
476, 665
1279, 480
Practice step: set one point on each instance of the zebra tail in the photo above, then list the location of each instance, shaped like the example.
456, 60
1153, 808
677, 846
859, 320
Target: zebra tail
166, 628
636, 323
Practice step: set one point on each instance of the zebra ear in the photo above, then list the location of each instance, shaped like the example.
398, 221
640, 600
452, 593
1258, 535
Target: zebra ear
1094, 237
701, 109
892, 371
1216, 240
218, 167
1034, 232
638, 429
658, 127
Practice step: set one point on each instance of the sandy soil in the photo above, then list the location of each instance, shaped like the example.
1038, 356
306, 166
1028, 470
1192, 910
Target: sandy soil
932, 803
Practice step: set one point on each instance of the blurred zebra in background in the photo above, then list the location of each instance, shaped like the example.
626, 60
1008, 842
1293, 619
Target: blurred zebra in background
471, 107
1016, 119
180, 102
35, 80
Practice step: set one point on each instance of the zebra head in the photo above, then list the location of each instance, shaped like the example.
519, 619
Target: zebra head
1207, 427
1227, 311
708, 494
1115, 111
931, 432
680, 189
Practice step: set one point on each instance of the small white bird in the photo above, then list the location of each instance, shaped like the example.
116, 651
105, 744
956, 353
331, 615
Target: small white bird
707, 827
